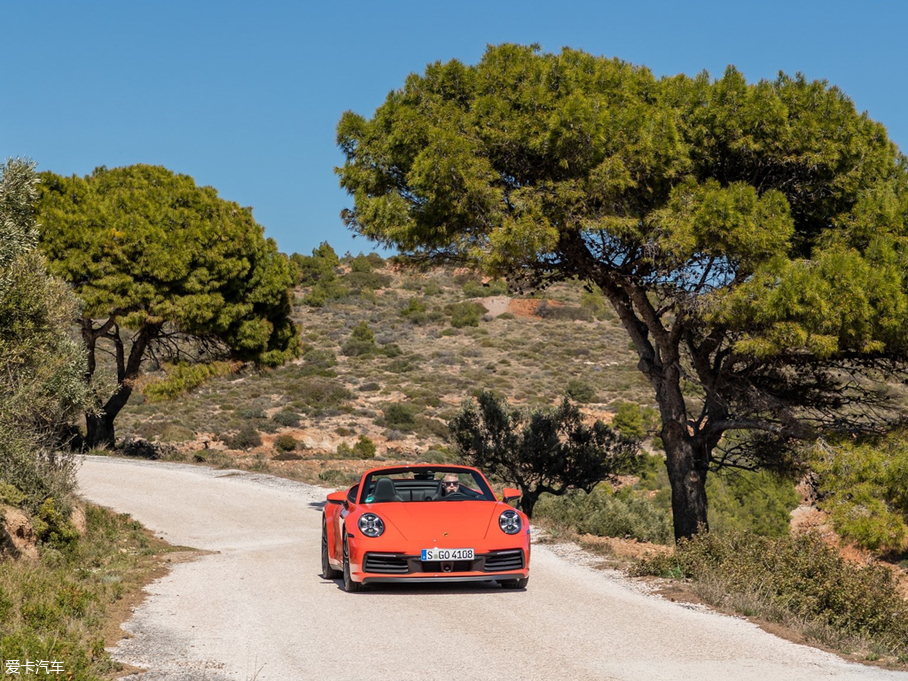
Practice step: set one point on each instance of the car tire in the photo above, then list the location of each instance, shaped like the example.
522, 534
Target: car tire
349, 585
515, 583
328, 572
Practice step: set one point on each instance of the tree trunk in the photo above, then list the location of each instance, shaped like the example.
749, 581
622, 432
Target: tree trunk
687, 476
528, 502
99, 431
99, 428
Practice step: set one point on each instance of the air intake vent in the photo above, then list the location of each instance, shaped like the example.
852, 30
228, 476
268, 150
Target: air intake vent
501, 561
388, 563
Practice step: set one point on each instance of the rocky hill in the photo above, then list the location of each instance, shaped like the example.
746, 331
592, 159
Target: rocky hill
389, 357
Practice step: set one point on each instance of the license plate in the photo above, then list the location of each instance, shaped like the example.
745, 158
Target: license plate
447, 554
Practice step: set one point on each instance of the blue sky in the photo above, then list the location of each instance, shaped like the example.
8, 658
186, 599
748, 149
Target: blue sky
245, 96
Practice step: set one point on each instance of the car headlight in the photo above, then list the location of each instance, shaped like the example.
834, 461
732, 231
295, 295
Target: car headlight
371, 525
509, 522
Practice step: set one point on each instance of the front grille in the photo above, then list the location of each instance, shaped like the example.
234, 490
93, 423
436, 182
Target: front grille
389, 563
400, 564
500, 561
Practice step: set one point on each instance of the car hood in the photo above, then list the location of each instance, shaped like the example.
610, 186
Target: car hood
441, 522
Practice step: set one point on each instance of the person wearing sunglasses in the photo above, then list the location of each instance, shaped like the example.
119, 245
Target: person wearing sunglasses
450, 485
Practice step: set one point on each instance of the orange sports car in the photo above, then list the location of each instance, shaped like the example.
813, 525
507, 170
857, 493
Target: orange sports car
424, 523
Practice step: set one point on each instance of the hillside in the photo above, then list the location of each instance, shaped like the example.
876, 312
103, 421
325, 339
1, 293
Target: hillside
400, 389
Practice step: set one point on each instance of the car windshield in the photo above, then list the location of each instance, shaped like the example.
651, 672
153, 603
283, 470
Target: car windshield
422, 485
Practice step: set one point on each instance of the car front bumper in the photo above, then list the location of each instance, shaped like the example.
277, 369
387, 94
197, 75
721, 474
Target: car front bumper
497, 565
443, 578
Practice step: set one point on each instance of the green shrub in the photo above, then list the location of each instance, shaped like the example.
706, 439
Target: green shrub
580, 391
325, 291
247, 438
635, 421
401, 365
285, 443
182, 378
400, 416
466, 314
52, 526
750, 501
338, 477
286, 418
391, 350
793, 578
319, 393
439, 455
317, 267
360, 264
55, 608
363, 449
35, 473
318, 362
430, 427
176, 433
375, 259
473, 289
415, 311
605, 514
10, 495
595, 304
863, 486
361, 342
366, 281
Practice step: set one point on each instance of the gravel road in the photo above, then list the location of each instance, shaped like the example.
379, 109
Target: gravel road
256, 607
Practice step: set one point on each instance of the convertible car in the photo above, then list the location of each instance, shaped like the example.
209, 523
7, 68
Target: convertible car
424, 523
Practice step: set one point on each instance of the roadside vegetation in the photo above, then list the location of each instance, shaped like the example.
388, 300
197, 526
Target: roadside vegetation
799, 581
65, 569
66, 605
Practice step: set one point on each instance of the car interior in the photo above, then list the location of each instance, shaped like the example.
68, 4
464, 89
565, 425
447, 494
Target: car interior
423, 486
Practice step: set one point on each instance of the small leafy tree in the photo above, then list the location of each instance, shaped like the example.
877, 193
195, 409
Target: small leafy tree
164, 268
540, 451
315, 268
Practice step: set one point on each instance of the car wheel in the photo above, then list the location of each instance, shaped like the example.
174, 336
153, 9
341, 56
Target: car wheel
515, 583
328, 572
349, 585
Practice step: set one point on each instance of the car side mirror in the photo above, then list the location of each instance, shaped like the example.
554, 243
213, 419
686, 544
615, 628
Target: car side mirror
337, 497
509, 494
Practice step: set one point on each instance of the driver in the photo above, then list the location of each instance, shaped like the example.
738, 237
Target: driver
450, 485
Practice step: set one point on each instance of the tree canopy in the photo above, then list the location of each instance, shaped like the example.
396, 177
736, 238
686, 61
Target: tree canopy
750, 236
162, 265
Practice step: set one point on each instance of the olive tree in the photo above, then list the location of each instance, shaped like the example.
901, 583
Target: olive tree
42, 366
751, 237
